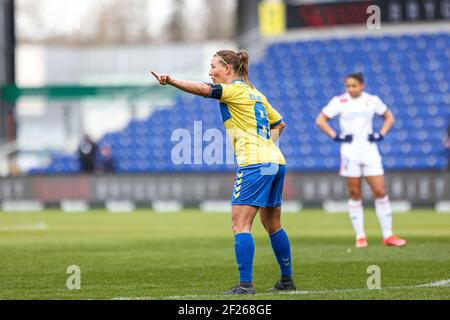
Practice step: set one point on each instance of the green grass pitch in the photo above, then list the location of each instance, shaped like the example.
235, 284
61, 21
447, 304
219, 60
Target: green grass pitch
190, 255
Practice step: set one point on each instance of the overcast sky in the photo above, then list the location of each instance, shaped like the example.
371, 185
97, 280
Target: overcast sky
66, 14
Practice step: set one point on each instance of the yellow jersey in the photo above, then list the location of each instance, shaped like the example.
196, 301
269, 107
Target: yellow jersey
248, 118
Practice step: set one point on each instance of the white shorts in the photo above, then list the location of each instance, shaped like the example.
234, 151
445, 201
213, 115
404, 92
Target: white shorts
361, 168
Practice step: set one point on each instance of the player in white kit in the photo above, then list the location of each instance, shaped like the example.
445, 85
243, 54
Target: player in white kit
359, 153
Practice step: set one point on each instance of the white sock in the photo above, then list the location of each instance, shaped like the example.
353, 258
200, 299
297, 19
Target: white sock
356, 211
384, 213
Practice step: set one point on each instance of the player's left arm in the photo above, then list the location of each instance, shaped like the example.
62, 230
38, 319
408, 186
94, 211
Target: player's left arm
276, 131
193, 87
389, 121
276, 122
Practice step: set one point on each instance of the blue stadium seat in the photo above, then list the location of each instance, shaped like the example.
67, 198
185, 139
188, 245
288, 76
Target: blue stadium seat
410, 73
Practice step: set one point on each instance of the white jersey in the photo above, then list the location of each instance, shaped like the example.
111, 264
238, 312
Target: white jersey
356, 118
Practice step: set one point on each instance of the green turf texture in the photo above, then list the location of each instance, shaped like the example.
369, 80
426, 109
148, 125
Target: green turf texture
190, 255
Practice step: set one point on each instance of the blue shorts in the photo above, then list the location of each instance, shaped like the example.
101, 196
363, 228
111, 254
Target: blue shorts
259, 185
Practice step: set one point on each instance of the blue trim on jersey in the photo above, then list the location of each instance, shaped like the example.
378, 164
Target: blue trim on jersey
226, 115
262, 121
276, 124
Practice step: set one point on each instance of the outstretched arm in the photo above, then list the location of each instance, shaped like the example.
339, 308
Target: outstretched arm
193, 87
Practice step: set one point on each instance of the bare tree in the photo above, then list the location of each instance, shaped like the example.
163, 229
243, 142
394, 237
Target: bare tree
221, 22
218, 22
126, 21
175, 29
119, 21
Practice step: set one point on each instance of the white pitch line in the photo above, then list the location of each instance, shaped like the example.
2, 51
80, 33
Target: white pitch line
24, 227
441, 283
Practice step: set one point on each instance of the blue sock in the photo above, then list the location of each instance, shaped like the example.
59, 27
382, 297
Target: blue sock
282, 249
245, 250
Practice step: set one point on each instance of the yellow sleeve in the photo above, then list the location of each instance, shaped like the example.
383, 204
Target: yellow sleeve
229, 92
274, 116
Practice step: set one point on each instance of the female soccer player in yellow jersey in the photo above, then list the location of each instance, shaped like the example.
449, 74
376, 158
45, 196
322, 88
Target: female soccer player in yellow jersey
254, 126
